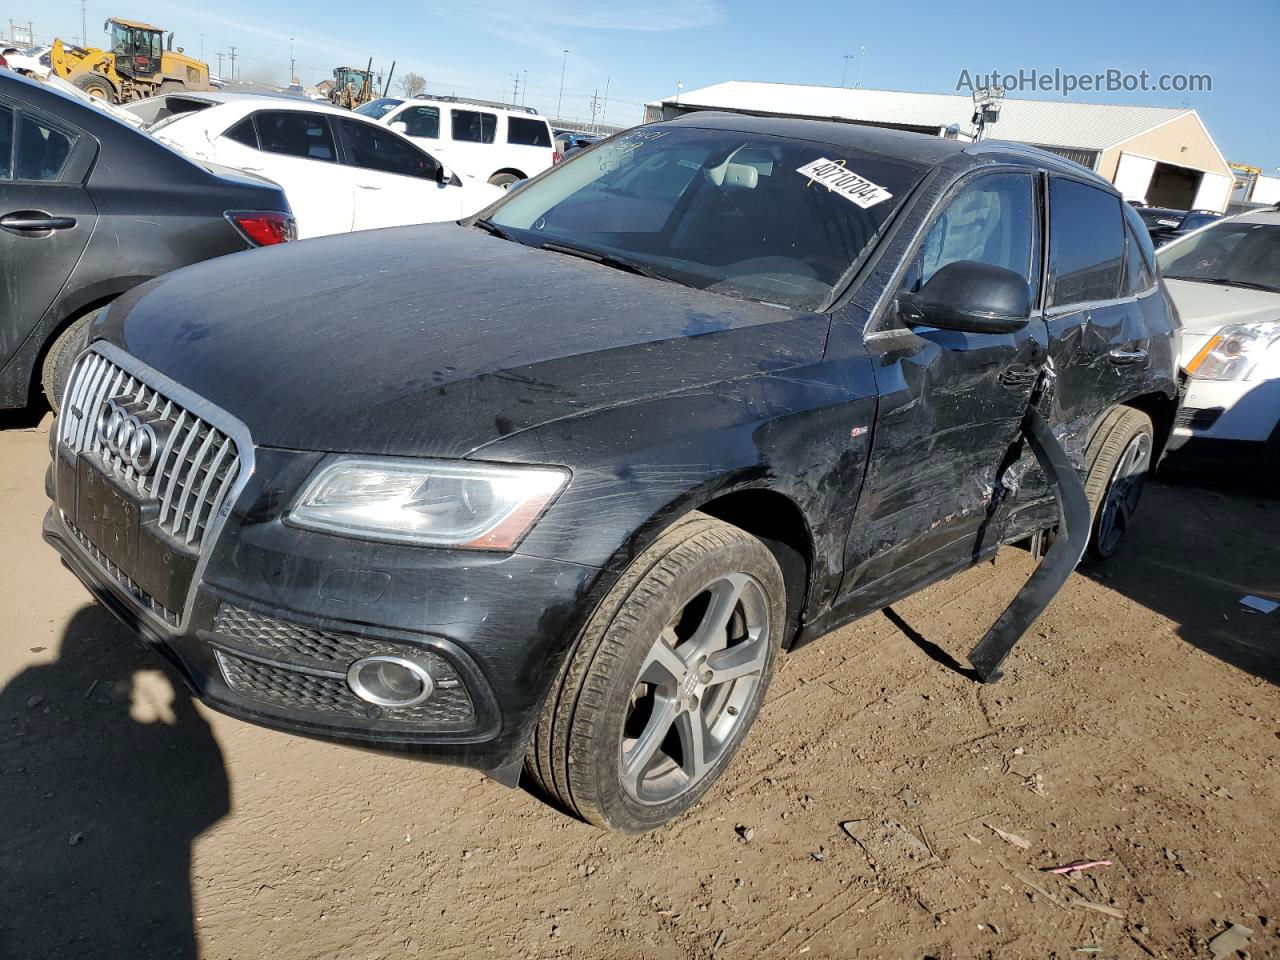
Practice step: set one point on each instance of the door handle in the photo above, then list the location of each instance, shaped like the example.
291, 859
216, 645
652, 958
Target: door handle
1125, 358
30, 220
368, 186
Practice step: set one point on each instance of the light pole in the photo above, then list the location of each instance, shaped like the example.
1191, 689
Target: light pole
679, 87
844, 74
560, 99
291, 67
862, 58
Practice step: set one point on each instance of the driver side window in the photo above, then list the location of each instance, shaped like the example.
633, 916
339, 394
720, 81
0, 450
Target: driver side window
991, 220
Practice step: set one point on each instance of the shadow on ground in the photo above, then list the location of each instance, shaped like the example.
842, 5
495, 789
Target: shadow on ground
1197, 547
107, 776
25, 419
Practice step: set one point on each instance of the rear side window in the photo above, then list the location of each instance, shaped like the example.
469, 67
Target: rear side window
473, 126
1086, 243
376, 148
41, 152
528, 132
421, 122
305, 135
243, 132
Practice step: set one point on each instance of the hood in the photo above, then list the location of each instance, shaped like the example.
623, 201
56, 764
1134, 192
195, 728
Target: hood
1206, 307
434, 340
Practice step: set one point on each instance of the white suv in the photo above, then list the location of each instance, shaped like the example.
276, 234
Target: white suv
497, 142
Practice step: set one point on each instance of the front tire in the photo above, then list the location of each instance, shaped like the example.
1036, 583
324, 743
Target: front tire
665, 680
172, 86
504, 180
96, 85
1120, 458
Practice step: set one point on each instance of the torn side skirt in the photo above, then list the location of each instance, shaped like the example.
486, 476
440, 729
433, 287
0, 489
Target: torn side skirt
1074, 522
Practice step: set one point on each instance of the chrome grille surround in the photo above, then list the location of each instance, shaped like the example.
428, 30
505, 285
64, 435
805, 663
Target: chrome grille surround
204, 464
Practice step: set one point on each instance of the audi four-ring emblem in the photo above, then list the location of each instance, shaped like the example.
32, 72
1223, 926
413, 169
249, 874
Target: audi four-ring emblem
128, 437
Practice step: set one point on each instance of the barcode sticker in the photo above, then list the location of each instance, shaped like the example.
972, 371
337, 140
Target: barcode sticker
833, 175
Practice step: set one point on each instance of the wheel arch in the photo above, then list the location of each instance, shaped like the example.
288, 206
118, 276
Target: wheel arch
48, 333
1160, 407
778, 522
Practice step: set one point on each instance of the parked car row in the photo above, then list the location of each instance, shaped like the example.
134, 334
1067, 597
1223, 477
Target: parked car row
1165, 224
341, 171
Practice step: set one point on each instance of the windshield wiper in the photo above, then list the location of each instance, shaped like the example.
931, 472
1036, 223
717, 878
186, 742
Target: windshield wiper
605, 259
488, 226
1228, 281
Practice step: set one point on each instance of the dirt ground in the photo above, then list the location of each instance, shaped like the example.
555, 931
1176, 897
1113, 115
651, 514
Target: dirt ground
1139, 722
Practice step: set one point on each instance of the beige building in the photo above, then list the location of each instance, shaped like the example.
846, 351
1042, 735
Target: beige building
1163, 156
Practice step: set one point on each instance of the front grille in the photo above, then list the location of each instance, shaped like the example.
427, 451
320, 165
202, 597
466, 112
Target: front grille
124, 580
198, 464
305, 669
1203, 419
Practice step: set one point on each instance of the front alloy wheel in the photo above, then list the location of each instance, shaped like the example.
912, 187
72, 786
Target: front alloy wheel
693, 689
665, 680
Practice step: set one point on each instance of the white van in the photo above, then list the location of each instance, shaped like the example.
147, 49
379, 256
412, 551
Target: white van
497, 142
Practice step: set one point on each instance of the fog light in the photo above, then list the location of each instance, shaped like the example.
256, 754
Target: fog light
390, 681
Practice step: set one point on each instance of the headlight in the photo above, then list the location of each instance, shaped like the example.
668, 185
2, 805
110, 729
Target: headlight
1233, 352
433, 503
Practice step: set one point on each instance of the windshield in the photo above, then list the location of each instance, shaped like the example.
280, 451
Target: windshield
718, 210
378, 108
129, 41
1245, 254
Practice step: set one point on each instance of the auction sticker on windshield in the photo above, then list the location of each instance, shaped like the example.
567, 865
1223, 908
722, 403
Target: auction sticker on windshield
833, 175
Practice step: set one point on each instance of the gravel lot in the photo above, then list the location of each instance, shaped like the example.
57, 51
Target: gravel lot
1139, 722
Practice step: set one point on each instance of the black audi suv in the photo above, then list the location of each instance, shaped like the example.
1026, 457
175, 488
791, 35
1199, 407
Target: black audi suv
547, 492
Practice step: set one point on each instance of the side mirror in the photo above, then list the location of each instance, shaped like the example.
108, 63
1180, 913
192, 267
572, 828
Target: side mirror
972, 297
444, 175
399, 126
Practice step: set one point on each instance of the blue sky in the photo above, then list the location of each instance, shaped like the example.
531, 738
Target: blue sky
643, 49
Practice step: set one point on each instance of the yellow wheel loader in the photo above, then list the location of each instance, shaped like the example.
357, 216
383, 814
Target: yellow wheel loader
138, 65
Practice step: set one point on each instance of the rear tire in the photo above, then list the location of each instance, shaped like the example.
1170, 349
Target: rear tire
62, 354
1120, 458
96, 85
504, 179
664, 681
172, 86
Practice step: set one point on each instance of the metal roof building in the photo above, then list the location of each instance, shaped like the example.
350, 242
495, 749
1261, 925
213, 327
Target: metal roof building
1160, 155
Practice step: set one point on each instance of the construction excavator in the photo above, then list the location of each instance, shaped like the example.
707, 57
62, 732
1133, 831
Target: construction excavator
140, 64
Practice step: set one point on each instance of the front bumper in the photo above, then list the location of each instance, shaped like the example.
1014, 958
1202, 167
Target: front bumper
1225, 420
276, 615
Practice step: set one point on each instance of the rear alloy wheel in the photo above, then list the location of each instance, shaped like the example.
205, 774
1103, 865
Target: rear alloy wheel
1119, 457
665, 680
504, 180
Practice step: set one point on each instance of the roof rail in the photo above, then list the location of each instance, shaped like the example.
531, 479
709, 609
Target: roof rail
514, 107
